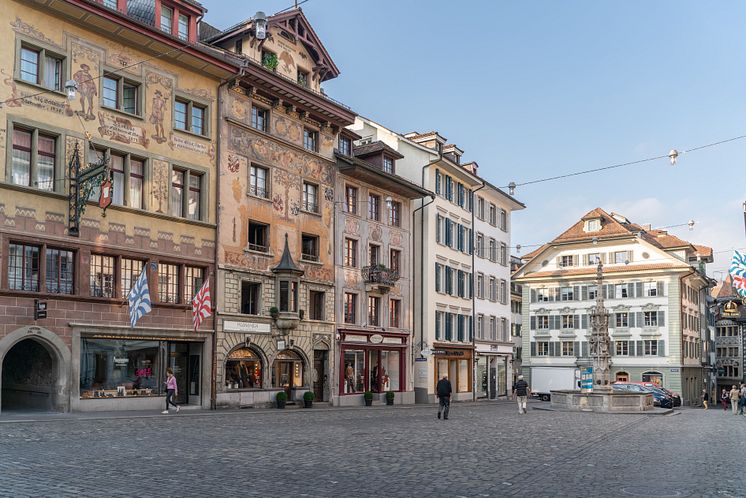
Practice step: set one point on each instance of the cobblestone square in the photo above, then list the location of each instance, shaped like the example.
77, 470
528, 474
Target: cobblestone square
484, 449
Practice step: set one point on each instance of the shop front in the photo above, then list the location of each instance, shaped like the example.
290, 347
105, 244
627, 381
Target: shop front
492, 369
457, 364
128, 372
374, 362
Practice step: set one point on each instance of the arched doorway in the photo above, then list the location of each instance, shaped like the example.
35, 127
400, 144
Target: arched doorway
243, 369
287, 371
622, 377
29, 377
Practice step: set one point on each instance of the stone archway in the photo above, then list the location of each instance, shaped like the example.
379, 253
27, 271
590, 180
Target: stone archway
34, 371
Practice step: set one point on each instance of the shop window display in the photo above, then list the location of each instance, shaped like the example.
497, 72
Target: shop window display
243, 370
115, 368
287, 371
354, 371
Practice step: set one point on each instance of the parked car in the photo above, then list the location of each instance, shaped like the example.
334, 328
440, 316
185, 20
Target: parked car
675, 396
659, 397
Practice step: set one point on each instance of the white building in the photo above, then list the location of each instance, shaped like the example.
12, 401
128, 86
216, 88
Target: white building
654, 286
494, 349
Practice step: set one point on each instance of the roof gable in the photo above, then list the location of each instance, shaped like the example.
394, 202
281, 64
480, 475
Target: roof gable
295, 23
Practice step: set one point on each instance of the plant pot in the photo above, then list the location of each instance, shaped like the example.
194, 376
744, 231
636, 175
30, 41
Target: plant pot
389, 401
281, 404
307, 404
369, 402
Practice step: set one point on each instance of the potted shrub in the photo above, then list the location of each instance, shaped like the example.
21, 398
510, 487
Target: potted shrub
390, 397
270, 61
281, 399
308, 398
274, 312
368, 397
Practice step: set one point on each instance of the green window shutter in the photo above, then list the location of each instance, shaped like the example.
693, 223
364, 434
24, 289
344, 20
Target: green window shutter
640, 319
630, 290
576, 293
661, 318
584, 322
612, 351
533, 323
576, 348
576, 322
640, 350
661, 289
584, 293
661, 348
556, 293
632, 321
533, 348
533, 295
585, 349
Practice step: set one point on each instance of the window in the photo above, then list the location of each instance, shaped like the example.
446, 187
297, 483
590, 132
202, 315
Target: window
395, 260
350, 253
542, 348
194, 199
620, 257
374, 305
288, 296
493, 215
622, 320
167, 19
650, 347
250, 297
258, 236
350, 307
345, 146
650, 289
568, 348
594, 259
168, 283
351, 199
567, 294
438, 181
480, 208
480, 286
493, 328
592, 292
309, 247
374, 207
650, 318
177, 193
128, 177
621, 291
40, 67
59, 271
503, 220
183, 32
493, 289
193, 280
107, 364
243, 370
238, 46
190, 204
449, 188
120, 93
310, 197
566, 261
30, 144
316, 305
136, 177
259, 119
480, 245
129, 272
503, 291
593, 225
190, 116
302, 78
493, 250
24, 267
395, 214
395, 313
258, 184
503, 254
568, 321
311, 140
438, 277
622, 348
542, 322
101, 276
374, 254
388, 165
111, 4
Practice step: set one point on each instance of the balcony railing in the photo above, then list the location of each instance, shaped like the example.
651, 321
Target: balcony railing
379, 274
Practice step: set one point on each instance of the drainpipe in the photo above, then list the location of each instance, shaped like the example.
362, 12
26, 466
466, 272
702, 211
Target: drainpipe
473, 300
681, 335
216, 290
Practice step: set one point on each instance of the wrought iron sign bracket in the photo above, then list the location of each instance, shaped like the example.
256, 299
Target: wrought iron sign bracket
82, 184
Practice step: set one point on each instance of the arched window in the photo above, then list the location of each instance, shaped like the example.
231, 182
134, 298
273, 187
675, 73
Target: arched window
622, 377
654, 377
243, 370
287, 371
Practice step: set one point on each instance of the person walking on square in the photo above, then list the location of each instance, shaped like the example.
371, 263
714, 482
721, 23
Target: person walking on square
705, 398
724, 399
521, 394
172, 390
735, 397
443, 391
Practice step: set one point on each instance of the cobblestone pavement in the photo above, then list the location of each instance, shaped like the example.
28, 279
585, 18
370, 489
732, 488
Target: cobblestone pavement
485, 449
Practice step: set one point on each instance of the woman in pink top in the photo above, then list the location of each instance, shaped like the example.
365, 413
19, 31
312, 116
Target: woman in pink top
171, 390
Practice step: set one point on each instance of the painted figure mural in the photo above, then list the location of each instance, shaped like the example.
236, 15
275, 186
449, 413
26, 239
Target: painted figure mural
87, 89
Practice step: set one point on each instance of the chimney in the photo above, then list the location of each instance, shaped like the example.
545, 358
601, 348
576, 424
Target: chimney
647, 227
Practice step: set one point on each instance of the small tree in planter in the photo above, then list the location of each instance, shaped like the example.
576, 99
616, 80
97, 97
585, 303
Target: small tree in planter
274, 312
368, 397
308, 398
281, 399
390, 397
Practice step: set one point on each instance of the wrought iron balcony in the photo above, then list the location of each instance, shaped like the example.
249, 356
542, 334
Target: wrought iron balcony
380, 275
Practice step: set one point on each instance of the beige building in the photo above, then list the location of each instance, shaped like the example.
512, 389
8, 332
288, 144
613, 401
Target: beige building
276, 323
145, 107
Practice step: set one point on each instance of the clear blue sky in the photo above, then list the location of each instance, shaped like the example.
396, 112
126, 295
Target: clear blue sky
534, 89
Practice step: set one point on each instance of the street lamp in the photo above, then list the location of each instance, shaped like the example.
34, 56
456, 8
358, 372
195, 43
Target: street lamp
260, 21
71, 87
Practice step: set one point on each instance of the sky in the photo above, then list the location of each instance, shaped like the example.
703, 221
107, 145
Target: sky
531, 90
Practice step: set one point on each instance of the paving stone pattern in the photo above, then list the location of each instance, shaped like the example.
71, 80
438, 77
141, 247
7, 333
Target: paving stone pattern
485, 449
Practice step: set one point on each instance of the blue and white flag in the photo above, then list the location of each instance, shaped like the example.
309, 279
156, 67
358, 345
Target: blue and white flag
139, 298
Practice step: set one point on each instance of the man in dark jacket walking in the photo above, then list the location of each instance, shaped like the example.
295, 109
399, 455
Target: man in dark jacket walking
443, 391
521, 393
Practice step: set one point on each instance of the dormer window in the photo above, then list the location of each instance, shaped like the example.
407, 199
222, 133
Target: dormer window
593, 225
388, 165
345, 146
302, 78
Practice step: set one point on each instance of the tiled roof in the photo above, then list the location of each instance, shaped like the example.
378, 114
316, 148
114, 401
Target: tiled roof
377, 146
703, 251
591, 270
724, 288
529, 256
610, 227
414, 135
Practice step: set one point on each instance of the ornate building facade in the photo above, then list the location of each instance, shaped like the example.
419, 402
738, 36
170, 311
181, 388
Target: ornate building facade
276, 322
145, 106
